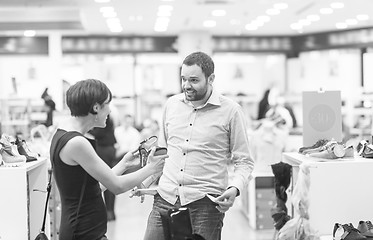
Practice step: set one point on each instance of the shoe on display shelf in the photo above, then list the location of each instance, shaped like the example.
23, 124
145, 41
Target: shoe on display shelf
316, 147
366, 228
365, 149
346, 232
24, 150
10, 158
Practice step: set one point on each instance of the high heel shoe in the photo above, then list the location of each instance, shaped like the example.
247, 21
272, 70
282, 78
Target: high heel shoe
25, 151
10, 159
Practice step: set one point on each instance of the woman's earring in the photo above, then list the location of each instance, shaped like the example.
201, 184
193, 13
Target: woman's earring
96, 118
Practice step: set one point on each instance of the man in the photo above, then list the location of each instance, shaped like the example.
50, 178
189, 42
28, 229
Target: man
204, 132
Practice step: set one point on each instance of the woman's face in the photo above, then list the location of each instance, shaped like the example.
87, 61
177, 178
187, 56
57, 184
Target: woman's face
102, 114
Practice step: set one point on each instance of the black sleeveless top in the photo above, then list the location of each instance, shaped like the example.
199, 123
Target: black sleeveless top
92, 220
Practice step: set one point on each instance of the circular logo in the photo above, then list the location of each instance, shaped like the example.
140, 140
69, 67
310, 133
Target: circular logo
321, 117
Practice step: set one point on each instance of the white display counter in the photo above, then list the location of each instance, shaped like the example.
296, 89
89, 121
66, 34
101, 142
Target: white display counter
22, 208
340, 190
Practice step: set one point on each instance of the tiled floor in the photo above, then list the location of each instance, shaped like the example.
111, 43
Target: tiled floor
132, 217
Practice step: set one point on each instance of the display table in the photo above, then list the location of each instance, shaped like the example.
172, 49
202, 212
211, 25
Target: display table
22, 208
340, 190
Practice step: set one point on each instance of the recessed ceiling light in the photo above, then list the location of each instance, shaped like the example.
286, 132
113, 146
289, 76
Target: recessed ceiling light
341, 25
102, 1
280, 6
29, 33
337, 5
326, 11
209, 23
362, 17
351, 21
218, 13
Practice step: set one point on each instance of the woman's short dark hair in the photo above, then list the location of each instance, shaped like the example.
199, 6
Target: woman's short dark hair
83, 95
202, 60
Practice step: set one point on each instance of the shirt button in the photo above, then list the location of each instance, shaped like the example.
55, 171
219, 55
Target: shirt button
184, 154
187, 140
180, 185
195, 109
190, 124
181, 169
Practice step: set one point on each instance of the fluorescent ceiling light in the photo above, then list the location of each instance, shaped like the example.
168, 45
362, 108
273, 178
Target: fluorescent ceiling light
102, 1
29, 33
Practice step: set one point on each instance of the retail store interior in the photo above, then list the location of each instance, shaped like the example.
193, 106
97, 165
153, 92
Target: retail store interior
313, 58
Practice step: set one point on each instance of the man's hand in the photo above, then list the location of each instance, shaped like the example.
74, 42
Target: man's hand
141, 192
226, 200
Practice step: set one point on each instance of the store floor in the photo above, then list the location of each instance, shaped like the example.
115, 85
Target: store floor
132, 217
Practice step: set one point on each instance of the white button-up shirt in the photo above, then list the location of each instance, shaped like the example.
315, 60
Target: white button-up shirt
201, 143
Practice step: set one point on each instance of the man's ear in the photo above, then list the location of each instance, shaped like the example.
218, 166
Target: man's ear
211, 78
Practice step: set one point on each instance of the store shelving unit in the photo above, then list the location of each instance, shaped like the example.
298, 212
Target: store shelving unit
18, 115
21, 207
258, 199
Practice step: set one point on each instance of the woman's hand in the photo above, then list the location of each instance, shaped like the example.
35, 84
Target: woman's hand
131, 159
156, 163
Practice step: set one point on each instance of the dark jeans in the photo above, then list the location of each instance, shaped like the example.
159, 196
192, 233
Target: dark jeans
207, 221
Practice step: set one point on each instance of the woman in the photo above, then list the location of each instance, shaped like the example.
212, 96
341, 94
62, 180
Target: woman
81, 175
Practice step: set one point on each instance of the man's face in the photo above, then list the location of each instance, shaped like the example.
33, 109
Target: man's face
194, 83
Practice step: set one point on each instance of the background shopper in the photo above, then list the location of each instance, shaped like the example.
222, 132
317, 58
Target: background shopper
204, 132
76, 164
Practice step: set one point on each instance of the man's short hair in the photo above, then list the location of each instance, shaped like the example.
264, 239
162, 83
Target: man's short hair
83, 95
202, 60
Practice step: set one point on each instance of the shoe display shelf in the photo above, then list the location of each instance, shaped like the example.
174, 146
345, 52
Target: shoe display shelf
22, 201
18, 115
258, 199
339, 190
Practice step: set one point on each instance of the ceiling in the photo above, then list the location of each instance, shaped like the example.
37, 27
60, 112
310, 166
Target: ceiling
138, 17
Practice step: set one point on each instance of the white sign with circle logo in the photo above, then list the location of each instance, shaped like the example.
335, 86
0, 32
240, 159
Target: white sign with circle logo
322, 117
